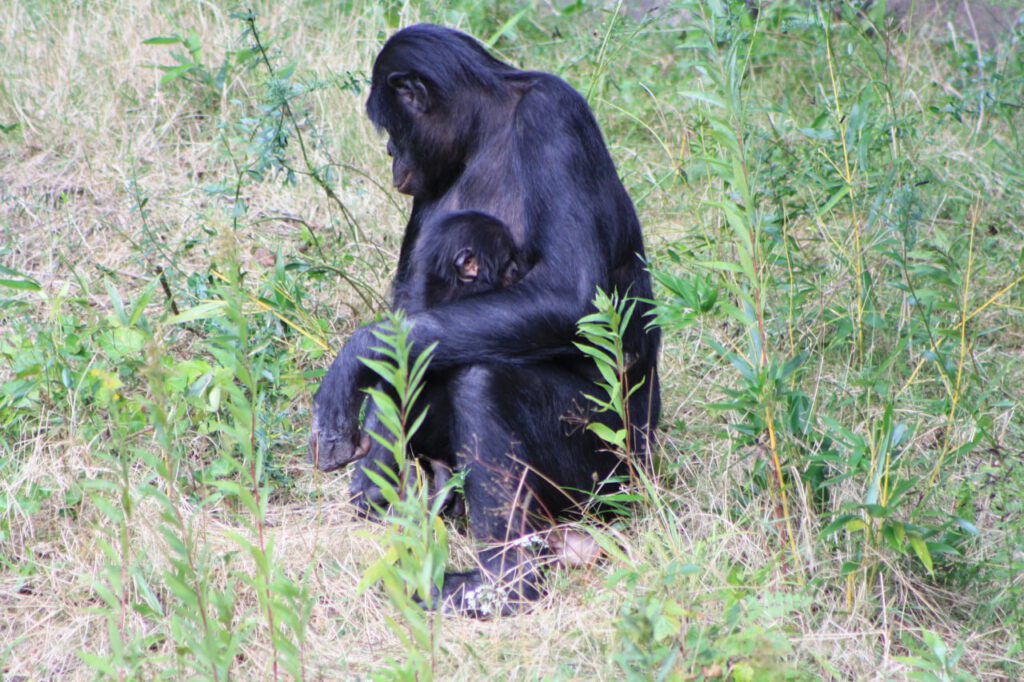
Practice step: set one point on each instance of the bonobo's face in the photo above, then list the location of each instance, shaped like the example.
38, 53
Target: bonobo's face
488, 269
425, 138
400, 104
405, 175
466, 266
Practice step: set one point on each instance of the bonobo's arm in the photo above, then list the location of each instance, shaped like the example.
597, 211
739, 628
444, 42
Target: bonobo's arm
530, 321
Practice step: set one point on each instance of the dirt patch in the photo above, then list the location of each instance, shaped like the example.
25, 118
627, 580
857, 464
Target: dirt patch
983, 22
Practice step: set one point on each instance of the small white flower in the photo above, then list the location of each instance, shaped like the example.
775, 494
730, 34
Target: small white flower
533, 541
487, 599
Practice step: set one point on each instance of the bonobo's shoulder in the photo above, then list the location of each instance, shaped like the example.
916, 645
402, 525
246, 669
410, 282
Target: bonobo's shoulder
546, 94
540, 84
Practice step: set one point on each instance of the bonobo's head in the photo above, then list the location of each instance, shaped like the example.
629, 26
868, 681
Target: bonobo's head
492, 266
468, 252
429, 87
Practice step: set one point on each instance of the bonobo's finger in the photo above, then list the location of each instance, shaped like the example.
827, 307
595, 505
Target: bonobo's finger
363, 449
333, 441
313, 449
327, 452
330, 450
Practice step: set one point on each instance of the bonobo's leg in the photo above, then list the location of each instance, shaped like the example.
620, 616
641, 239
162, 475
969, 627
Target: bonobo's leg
452, 504
520, 437
364, 492
433, 440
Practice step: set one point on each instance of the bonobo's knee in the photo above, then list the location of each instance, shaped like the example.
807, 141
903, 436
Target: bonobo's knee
470, 388
480, 398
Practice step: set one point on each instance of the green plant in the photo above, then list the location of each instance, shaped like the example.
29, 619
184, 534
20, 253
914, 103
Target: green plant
671, 629
933, 661
416, 540
190, 66
284, 604
183, 602
602, 342
122, 585
726, 36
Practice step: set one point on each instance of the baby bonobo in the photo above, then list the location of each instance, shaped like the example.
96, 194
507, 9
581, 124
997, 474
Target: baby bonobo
461, 254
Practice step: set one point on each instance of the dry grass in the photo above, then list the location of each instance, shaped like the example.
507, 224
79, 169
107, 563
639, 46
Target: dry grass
98, 131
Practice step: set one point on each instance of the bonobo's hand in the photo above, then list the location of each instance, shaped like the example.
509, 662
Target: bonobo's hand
330, 447
335, 439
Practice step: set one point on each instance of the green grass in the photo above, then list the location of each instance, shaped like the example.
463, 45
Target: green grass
191, 226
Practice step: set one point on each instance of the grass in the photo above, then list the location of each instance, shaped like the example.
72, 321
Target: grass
189, 226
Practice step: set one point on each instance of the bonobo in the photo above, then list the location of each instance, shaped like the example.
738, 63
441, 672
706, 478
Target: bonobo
461, 254
506, 387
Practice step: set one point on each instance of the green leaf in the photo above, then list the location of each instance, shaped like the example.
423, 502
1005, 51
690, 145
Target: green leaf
141, 302
616, 438
506, 27
162, 40
921, 550
967, 527
840, 523
173, 73
115, 301
836, 197
202, 311
21, 284
386, 488
373, 575
98, 663
703, 97
113, 513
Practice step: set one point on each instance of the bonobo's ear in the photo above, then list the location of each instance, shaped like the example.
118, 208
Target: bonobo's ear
510, 273
412, 92
467, 268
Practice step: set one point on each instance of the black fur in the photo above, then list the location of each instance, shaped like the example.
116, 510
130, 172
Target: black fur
468, 132
461, 254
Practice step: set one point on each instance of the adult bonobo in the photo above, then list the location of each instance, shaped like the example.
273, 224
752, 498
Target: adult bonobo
467, 132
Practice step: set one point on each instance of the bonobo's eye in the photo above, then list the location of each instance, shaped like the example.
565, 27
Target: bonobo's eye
467, 268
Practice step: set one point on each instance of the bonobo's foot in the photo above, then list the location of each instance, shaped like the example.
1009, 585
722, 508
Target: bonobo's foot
468, 594
472, 594
365, 494
367, 497
449, 501
511, 581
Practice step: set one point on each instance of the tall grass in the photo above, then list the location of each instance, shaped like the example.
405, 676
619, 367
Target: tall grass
195, 213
